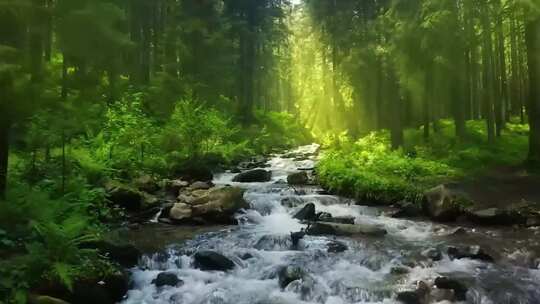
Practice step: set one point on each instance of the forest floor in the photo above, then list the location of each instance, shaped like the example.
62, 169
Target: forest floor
502, 186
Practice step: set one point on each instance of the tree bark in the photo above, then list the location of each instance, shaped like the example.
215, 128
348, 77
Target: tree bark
532, 39
428, 89
502, 100
4, 153
396, 123
488, 78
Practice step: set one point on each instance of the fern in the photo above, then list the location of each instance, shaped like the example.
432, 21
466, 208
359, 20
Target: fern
64, 273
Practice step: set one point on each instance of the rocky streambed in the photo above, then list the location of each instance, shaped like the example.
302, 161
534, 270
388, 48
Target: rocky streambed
294, 243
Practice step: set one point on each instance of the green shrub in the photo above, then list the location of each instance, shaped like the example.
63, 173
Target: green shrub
41, 239
368, 169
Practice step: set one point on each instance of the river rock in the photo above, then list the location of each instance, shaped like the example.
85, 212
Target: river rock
167, 279
469, 252
322, 228
146, 183
200, 186
219, 205
338, 219
307, 213
418, 296
296, 237
124, 254
433, 254
45, 300
211, 260
180, 212
298, 178
124, 196
291, 202
460, 290
175, 186
253, 176
272, 242
336, 246
288, 274
108, 289
496, 216
407, 209
442, 203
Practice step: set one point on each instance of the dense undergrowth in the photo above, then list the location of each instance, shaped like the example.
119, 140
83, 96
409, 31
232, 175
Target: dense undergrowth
56, 201
369, 170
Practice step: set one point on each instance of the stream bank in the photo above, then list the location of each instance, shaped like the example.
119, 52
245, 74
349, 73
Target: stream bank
271, 256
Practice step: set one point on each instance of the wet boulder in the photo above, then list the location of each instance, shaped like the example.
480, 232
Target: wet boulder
460, 290
288, 274
407, 209
274, 242
433, 254
291, 202
124, 196
212, 261
167, 279
443, 203
409, 297
418, 296
296, 237
108, 289
45, 300
336, 246
180, 212
469, 252
219, 205
298, 178
337, 219
175, 186
125, 255
496, 216
200, 186
253, 176
322, 228
307, 213
146, 183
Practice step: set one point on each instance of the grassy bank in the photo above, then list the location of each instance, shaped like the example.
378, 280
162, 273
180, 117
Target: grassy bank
368, 169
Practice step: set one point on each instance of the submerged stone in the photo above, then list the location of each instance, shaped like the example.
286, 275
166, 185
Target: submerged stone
211, 260
253, 176
167, 279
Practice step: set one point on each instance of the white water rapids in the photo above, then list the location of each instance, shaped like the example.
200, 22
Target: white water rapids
361, 274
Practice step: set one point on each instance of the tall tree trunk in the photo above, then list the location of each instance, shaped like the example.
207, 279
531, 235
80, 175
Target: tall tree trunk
5, 126
515, 101
522, 53
379, 99
488, 78
502, 103
248, 45
49, 29
396, 111
532, 39
428, 90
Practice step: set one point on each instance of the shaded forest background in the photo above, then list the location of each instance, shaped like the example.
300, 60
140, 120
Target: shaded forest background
401, 92
116, 71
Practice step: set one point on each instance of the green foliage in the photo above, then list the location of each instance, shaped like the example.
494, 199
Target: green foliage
368, 169
40, 239
195, 131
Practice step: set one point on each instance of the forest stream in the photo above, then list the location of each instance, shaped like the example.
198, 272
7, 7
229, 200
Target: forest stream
269, 268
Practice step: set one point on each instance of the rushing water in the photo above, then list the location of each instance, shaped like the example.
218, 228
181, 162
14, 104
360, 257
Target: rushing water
362, 274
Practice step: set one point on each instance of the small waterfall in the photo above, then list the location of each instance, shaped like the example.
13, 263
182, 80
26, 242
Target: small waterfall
155, 218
